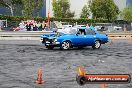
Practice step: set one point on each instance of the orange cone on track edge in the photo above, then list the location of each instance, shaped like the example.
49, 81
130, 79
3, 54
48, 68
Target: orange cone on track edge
103, 86
39, 79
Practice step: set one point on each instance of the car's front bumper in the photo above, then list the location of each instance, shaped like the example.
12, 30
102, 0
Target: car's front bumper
50, 42
41, 39
104, 41
47, 43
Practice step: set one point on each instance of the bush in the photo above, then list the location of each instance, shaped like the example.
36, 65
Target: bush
15, 20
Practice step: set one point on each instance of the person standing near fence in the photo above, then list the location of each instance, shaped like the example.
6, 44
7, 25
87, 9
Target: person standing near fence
43, 25
28, 26
1, 25
39, 26
35, 28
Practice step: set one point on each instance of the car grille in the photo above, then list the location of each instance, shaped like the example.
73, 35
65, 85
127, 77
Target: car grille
50, 40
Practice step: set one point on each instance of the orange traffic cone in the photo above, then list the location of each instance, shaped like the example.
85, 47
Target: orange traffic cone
103, 86
39, 79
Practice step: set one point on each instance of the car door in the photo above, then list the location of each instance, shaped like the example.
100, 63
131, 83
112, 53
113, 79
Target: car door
82, 36
78, 39
90, 37
81, 39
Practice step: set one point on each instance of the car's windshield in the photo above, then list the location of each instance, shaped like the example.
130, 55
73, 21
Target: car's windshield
77, 31
59, 34
69, 31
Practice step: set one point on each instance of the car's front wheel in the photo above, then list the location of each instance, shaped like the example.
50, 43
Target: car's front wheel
96, 45
66, 45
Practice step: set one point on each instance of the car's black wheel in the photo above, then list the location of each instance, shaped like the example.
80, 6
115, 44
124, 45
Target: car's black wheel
43, 41
66, 45
96, 45
50, 47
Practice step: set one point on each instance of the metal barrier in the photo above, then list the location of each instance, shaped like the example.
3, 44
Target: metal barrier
31, 35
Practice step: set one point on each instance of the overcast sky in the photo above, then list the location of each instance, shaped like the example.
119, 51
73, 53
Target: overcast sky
120, 3
77, 5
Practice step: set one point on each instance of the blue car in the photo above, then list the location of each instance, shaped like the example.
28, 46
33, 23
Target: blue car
82, 37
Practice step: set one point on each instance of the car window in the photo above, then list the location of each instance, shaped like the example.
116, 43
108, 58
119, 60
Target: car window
83, 26
81, 32
90, 32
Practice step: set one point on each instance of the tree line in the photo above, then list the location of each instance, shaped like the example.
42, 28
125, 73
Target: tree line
23, 7
97, 9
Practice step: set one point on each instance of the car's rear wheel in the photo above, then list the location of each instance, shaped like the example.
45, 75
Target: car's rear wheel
66, 45
50, 47
96, 45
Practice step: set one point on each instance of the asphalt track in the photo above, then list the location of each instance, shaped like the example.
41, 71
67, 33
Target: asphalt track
20, 60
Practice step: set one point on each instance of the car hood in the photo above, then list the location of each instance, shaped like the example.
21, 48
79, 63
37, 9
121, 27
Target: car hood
52, 36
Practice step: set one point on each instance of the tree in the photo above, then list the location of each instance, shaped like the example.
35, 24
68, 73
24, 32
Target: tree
61, 9
2, 3
11, 4
32, 7
69, 14
38, 5
28, 7
85, 12
104, 9
126, 14
25, 7
57, 9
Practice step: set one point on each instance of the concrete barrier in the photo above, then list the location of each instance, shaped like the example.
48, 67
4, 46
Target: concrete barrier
31, 35
35, 35
121, 35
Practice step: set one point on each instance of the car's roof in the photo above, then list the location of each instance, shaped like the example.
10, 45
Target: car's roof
81, 27
67, 25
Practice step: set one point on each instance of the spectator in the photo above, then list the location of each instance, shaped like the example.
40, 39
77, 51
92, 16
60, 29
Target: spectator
39, 26
87, 26
35, 28
22, 25
0, 28
1, 25
28, 26
43, 25
55, 28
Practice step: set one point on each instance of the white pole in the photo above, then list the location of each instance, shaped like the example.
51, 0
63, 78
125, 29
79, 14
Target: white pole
6, 22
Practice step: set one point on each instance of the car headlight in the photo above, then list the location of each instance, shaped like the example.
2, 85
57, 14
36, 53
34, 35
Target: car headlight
41, 39
55, 40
